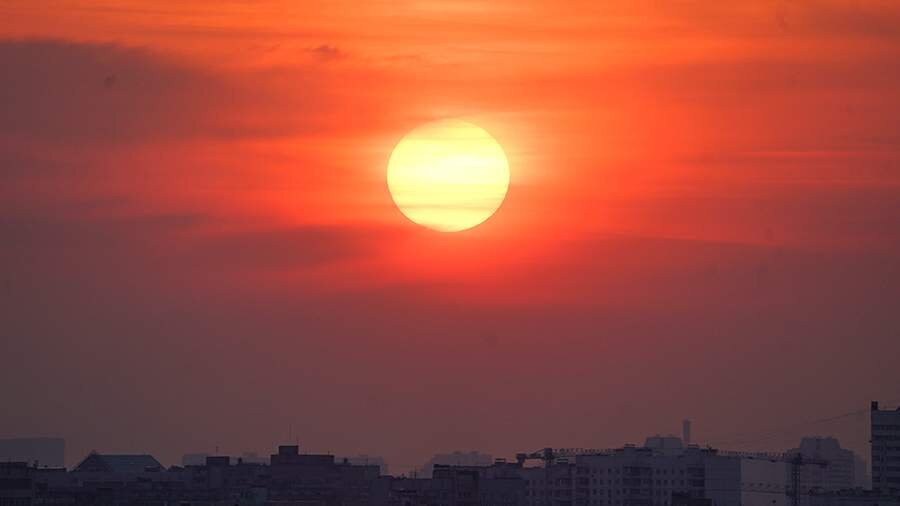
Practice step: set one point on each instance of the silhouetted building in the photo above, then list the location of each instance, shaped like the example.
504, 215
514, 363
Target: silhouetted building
498, 484
686, 431
194, 459
105, 474
663, 472
456, 459
317, 479
668, 445
683, 499
199, 459
550, 485
455, 485
734, 479
854, 497
885, 449
40, 451
660, 473
16, 484
824, 466
410, 492
368, 460
118, 464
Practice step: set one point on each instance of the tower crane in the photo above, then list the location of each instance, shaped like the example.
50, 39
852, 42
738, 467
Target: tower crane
796, 462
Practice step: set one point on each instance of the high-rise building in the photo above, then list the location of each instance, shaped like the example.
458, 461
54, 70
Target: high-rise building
823, 465
661, 473
885, 449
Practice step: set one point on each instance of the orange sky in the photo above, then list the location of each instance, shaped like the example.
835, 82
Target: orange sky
725, 169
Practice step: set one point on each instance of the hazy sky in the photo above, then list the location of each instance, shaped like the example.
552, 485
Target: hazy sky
199, 248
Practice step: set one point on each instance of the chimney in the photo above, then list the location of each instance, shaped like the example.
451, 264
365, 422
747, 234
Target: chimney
686, 431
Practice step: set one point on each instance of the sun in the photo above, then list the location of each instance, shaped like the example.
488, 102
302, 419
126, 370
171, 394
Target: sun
448, 175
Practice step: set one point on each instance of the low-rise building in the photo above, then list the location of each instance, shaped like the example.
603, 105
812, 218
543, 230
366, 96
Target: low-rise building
16, 484
35, 451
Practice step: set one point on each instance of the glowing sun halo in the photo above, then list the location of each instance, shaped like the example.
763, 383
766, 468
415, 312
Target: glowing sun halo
448, 175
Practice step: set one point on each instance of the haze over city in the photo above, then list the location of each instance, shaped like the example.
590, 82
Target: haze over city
409, 228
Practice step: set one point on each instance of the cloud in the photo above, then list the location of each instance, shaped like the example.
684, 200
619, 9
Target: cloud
289, 249
64, 91
877, 19
112, 239
143, 299
142, 316
326, 52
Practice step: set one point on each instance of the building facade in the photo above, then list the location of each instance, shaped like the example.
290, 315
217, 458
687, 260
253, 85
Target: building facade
823, 466
661, 473
885, 449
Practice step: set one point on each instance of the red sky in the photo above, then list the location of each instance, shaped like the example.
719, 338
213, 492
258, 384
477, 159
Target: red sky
199, 248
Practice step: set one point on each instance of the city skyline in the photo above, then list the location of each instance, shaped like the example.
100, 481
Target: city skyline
762, 441
663, 471
456, 458
410, 227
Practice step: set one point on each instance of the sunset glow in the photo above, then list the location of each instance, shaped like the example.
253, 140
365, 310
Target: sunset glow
456, 224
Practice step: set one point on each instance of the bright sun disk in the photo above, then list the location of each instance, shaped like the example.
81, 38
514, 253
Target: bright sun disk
448, 175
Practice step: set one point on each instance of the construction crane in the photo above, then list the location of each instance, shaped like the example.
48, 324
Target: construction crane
796, 462
549, 456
